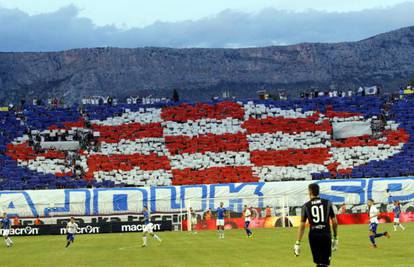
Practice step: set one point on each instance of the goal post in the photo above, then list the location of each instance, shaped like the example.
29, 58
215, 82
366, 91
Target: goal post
190, 218
267, 212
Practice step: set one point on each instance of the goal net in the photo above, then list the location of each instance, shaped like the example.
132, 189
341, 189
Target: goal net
267, 212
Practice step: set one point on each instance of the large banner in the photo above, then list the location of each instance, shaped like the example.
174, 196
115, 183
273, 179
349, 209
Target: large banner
348, 129
61, 145
108, 201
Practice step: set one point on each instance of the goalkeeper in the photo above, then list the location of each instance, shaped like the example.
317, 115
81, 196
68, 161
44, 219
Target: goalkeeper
318, 213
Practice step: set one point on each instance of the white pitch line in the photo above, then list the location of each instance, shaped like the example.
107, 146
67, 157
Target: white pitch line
124, 248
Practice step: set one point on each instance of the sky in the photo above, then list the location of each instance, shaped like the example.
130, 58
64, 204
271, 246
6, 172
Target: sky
51, 25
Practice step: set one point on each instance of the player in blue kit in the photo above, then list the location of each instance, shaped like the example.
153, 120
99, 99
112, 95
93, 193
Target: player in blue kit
148, 228
373, 223
71, 229
221, 211
5, 226
397, 213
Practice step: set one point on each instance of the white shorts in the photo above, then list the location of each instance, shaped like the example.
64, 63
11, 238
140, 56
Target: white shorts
148, 228
193, 220
220, 222
6, 232
396, 220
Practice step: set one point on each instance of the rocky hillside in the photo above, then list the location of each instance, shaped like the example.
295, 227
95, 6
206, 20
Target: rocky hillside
387, 59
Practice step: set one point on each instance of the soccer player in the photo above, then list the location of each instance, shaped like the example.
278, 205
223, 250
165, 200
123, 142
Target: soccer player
247, 219
317, 212
193, 221
221, 211
6, 225
71, 228
148, 228
397, 213
373, 223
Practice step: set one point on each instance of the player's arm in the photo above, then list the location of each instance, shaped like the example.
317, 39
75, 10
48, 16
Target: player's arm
335, 227
334, 220
301, 231
335, 241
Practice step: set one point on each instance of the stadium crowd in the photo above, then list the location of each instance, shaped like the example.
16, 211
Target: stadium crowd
107, 143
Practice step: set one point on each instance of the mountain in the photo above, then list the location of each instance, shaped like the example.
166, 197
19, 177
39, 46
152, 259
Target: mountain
199, 73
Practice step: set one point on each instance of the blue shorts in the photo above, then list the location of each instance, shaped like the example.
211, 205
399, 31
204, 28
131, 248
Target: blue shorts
70, 237
246, 224
373, 227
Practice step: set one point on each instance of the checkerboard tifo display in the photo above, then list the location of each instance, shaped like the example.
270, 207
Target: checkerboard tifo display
222, 143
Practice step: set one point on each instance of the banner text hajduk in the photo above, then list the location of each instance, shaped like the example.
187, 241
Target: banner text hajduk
98, 201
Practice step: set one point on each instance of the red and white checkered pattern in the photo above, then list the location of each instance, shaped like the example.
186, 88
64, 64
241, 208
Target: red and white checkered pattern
222, 143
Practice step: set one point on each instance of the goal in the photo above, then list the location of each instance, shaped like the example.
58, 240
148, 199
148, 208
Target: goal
266, 212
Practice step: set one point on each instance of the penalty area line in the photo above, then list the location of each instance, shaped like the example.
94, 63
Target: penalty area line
130, 247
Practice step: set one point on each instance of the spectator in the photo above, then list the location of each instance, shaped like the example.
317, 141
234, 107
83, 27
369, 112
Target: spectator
343, 209
38, 222
256, 212
268, 212
16, 221
207, 215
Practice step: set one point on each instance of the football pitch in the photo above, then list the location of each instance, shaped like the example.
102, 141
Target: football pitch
268, 247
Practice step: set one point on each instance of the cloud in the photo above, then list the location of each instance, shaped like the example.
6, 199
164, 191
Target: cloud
65, 29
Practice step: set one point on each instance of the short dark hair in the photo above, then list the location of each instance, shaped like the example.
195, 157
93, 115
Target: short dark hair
314, 189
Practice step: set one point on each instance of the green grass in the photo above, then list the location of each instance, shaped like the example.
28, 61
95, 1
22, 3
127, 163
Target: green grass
268, 247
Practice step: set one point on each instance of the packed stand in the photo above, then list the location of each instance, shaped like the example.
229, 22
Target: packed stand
205, 143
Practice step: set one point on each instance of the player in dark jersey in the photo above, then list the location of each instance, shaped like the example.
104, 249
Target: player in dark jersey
5, 226
221, 212
397, 212
318, 212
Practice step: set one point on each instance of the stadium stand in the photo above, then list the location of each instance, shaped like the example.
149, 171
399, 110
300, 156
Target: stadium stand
204, 143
